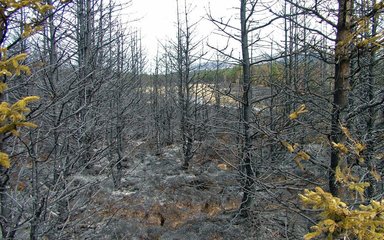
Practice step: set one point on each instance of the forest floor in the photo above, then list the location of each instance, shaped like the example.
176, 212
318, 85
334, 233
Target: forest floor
159, 200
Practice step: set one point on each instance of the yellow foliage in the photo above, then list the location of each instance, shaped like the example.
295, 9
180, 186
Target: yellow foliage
341, 147
290, 148
301, 155
361, 160
363, 26
345, 176
346, 132
359, 147
327, 225
14, 5
319, 199
375, 175
27, 124
359, 37
3, 87
378, 6
302, 109
12, 116
359, 188
5, 72
4, 160
11, 66
30, 30
314, 234
340, 177
339, 221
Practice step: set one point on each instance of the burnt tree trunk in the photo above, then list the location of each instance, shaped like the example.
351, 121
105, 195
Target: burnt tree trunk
246, 167
341, 86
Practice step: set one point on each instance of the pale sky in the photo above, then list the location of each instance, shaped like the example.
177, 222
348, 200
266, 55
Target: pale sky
157, 23
158, 18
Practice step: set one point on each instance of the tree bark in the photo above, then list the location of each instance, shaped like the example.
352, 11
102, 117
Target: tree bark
341, 87
246, 167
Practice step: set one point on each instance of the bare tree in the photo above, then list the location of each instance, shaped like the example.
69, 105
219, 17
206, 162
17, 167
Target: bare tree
185, 61
247, 34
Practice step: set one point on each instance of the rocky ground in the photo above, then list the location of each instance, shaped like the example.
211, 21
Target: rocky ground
159, 200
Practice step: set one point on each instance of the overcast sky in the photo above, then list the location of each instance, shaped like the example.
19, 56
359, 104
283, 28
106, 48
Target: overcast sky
158, 18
